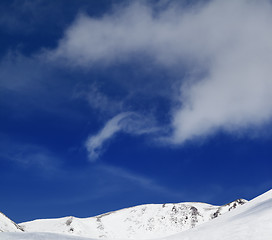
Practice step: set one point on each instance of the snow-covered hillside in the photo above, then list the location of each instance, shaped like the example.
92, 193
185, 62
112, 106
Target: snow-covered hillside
140, 222
252, 221
7, 225
38, 236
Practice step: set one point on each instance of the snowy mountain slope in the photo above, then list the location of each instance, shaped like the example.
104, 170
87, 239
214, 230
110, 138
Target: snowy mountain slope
7, 225
38, 236
252, 221
140, 222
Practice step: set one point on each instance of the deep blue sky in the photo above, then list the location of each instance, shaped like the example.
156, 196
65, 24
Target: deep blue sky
50, 106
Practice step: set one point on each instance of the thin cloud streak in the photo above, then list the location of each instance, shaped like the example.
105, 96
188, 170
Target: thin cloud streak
30, 156
128, 122
228, 42
143, 181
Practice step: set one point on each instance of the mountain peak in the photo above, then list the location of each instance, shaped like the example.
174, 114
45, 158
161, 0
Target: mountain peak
138, 222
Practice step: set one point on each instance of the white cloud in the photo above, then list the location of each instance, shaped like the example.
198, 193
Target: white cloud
128, 122
228, 43
99, 101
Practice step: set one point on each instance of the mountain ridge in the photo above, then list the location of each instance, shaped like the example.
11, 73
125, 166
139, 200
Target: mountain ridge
146, 221
7, 225
249, 221
252, 221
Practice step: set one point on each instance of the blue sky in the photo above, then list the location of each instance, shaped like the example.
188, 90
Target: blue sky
109, 104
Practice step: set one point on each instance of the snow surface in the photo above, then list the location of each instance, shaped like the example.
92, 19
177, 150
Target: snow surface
38, 236
141, 222
7, 225
252, 221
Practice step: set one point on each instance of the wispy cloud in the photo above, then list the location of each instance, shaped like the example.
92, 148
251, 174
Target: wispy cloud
128, 122
30, 155
227, 43
99, 101
140, 180
17, 73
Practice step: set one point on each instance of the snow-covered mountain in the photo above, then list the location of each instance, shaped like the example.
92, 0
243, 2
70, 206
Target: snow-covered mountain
252, 221
7, 225
140, 222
